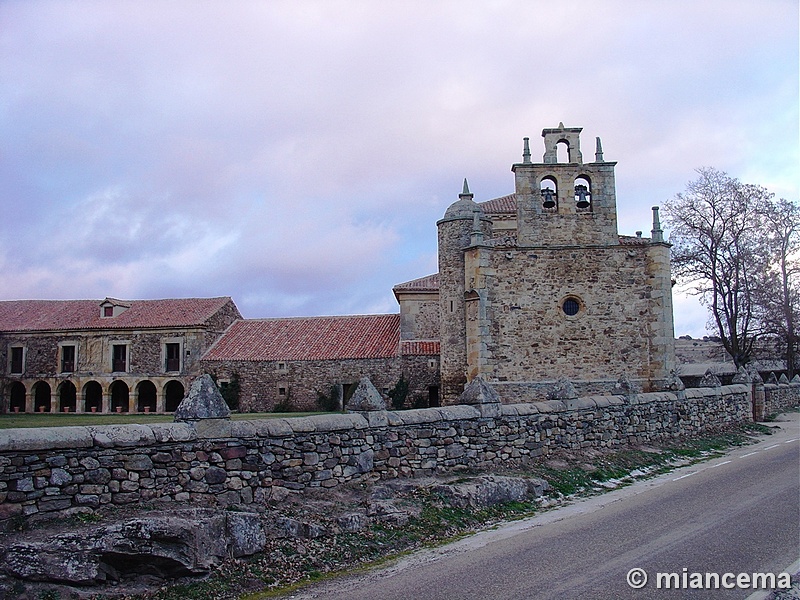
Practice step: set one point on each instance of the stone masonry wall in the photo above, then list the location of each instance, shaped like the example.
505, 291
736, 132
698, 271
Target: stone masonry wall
220, 462
529, 335
780, 397
301, 381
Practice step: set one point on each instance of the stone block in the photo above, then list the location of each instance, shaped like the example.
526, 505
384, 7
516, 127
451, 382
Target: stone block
273, 427
550, 406
334, 422
44, 438
243, 429
213, 428
122, 436
173, 432
418, 416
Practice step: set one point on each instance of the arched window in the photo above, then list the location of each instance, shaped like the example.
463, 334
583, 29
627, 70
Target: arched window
583, 193
548, 188
173, 394
17, 395
146, 392
41, 396
92, 397
562, 151
67, 397
119, 396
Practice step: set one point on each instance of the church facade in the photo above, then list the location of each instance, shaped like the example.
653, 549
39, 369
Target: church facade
539, 285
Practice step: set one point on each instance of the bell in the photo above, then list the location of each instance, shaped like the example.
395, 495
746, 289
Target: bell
548, 194
582, 192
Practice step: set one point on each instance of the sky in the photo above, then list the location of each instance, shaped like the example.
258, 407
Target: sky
296, 155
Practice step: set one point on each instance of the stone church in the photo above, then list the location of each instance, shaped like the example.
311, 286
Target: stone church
539, 285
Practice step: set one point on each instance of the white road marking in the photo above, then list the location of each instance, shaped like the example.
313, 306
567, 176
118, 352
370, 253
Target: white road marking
791, 440
748, 454
725, 462
685, 476
771, 447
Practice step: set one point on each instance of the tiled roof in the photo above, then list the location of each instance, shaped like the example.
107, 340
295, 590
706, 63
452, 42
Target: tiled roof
419, 347
503, 205
428, 283
68, 315
309, 338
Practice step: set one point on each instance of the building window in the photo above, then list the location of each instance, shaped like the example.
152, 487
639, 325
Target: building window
571, 306
172, 352
67, 359
281, 391
108, 311
17, 359
281, 366
119, 357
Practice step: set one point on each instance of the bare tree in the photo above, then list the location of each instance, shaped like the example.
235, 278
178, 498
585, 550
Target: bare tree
778, 296
718, 248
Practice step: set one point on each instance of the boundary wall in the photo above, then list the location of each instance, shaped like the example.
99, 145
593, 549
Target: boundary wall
224, 462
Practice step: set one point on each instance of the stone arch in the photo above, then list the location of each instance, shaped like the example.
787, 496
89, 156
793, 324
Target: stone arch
548, 188
120, 394
67, 397
146, 396
583, 193
92, 397
563, 151
173, 394
42, 401
17, 393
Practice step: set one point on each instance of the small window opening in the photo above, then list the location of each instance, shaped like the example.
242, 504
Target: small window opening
173, 357
119, 358
562, 152
281, 366
571, 307
67, 359
16, 360
108, 311
281, 391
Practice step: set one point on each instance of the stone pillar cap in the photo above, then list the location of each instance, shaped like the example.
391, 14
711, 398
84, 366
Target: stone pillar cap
479, 392
562, 390
203, 401
365, 398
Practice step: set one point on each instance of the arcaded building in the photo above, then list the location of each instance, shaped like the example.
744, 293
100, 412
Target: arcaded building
105, 355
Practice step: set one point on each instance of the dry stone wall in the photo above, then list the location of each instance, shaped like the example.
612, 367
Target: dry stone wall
267, 384
223, 462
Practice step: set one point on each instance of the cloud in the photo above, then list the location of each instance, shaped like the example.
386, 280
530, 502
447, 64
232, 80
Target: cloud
297, 155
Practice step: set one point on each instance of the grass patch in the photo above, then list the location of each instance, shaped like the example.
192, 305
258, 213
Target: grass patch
29, 420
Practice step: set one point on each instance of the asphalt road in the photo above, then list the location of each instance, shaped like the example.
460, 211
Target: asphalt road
735, 514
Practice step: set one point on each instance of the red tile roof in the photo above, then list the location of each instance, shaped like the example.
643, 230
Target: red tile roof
67, 315
309, 338
502, 205
419, 347
429, 283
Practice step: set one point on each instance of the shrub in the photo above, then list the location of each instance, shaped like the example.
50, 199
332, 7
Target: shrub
399, 393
